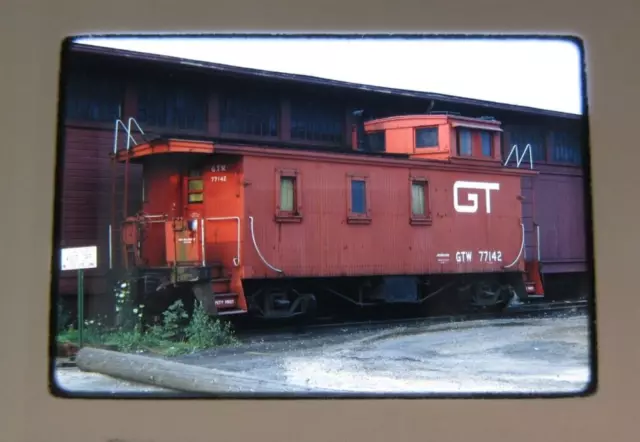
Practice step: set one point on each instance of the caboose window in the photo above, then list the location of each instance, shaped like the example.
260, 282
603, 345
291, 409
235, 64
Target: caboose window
287, 194
358, 197
288, 191
195, 187
420, 214
464, 142
427, 137
417, 199
486, 139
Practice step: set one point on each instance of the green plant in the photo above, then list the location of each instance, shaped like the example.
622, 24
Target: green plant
173, 319
176, 335
204, 332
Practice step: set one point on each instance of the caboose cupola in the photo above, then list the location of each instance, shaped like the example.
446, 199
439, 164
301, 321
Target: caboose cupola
435, 137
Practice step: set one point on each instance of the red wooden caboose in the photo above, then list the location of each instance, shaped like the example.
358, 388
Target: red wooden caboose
420, 210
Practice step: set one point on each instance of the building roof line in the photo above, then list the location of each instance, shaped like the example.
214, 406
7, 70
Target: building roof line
311, 80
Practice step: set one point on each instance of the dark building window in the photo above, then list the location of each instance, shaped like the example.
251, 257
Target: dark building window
487, 145
376, 141
91, 97
464, 142
250, 115
312, 121
427, 137
527, 135
358, 197
167, 105
566, 148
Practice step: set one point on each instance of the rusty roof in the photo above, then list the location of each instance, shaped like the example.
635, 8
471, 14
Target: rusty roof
311, 80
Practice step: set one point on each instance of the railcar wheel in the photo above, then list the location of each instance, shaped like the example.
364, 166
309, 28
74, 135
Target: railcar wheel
285, 303
489, 295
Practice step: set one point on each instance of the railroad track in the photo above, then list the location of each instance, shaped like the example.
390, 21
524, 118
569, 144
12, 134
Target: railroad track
531, 310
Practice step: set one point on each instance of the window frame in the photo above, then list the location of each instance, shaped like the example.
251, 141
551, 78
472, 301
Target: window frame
430, 128
371, 137
491, 135
188, 179
459, 132
425, 219
283, 216
353, 217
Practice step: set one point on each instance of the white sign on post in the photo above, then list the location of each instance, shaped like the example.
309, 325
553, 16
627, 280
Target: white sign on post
79, 258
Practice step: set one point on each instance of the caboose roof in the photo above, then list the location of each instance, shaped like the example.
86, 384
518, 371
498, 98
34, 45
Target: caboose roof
398, 121
242, 72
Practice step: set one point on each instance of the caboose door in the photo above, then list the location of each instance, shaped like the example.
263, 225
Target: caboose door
223, 210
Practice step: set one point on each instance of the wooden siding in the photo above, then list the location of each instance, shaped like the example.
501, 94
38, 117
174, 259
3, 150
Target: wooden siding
89, 137
86, 198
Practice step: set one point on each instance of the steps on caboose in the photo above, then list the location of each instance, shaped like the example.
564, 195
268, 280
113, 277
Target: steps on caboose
221, 285
226, 300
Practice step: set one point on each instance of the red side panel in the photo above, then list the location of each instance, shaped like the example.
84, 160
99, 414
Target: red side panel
481, 233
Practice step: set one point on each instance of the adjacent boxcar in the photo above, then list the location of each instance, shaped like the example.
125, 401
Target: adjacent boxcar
554, 208
428, 211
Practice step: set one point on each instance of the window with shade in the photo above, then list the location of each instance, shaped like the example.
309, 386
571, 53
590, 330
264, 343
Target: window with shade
420, 214
288, 201
287, 194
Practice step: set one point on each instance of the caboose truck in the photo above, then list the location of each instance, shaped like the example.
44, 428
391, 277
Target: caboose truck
420, 212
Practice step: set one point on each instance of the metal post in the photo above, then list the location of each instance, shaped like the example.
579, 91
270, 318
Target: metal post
80, 307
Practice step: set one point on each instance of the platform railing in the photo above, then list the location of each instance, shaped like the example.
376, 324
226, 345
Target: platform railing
515, 150
128, 131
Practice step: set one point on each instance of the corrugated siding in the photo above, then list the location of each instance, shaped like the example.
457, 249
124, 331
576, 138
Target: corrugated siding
86, 199
324, 244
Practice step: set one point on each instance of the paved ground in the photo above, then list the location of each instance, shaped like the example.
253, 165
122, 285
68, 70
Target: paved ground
542, 355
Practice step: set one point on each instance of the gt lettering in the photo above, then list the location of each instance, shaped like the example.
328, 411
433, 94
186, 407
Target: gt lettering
464, 256
490, 256
472, 196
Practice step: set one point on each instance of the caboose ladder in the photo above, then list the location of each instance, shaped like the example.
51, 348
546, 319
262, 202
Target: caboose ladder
115, 227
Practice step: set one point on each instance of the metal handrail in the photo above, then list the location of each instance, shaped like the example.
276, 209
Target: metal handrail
514, 149
127, 129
